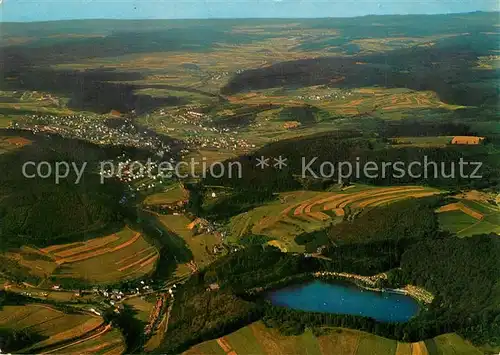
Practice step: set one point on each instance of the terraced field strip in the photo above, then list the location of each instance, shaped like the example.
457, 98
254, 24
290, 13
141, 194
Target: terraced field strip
299, 209
461, 207
105, 329
138, 261
389, 199
390, 194
419, 348
108, 341
349, 198
90, 325
319, 216
449, 207
99, 347
357, 197
117, 350
471, 212
224, 345
339, 212
123, 261
325, 200
89, 246
53, 248
403, 349
100, 252
395, 199
54, 325
149, 261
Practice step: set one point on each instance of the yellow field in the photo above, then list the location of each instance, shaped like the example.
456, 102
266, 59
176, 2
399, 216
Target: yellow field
173, 194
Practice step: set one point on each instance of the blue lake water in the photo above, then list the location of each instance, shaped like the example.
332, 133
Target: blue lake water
345, 298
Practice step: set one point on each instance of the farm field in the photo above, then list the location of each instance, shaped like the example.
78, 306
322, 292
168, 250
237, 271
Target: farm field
469, 217
49, 294
198, 244
122, 255
172, 194
450, 344
257, 339
305, 211
439, 141
108, 343
142, 306
9, 143
53, 324
337, 102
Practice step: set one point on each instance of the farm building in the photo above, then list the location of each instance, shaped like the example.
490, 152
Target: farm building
291, 125
467, 140
115, 113
197, 222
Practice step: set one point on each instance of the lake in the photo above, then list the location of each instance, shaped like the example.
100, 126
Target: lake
346, 298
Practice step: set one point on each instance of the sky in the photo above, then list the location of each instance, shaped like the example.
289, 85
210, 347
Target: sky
48, 10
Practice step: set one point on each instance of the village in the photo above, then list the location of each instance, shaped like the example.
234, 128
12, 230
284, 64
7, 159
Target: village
98, 300
94, 129
114, 129
335, 95
198, 130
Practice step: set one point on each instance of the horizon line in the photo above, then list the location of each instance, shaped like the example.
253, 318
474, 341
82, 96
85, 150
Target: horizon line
251, 18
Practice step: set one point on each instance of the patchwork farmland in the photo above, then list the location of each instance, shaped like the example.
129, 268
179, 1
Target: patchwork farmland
108, 343
125, 255
257, 339
469, 216
57, 329
122, 255
301, 211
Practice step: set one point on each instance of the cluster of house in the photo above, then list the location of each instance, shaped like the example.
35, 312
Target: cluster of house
38, 96
114, 295
92, 128
220, 141
174, 208
199, 133
138, 175
213, 287
319, 250
201, 225
335, 95
155, 314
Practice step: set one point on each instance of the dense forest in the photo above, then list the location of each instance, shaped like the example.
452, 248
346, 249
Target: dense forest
40, 211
